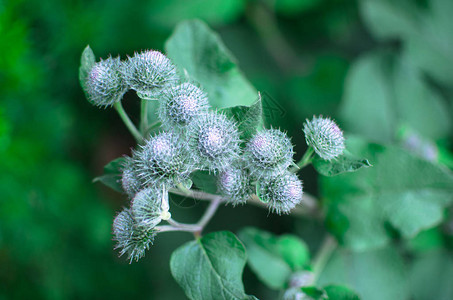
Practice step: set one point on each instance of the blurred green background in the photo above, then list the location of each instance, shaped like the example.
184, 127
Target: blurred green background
306, 57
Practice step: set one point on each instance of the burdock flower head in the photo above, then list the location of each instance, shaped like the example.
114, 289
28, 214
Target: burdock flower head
325, 137
105, 84
148, 72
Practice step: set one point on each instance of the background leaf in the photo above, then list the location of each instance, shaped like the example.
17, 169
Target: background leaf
400, 189
273, 259
112, 174
198, 50
211, 267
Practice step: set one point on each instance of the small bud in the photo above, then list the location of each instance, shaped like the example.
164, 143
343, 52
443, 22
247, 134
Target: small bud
214, 141
150, 71
325, 137
105, 85
131, 239
180, 104
269, 152
282, 192
147, 207
234, 183
130, 180
164, 159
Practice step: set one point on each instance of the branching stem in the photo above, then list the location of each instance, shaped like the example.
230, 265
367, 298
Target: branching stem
304, 161
119, 108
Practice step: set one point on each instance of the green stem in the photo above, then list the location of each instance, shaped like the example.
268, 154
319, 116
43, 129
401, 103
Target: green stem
304, 161
324, 253
144, 117
133, 130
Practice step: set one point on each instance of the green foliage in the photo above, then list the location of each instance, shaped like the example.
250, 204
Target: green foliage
112, 174
333, 292
402, 190
197, 50
273, 259
344, 163
381, 96
87, 62
374, 275
211, 267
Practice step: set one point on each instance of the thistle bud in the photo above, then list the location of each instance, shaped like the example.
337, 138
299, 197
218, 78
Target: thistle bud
180, 104
131, 239
164, 159
269, 152
105, 84
150, 71
325, 137
148, 206
130, 180
214, 141
234, 183
282, 192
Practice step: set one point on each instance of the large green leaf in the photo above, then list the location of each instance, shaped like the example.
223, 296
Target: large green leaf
199, 52
427, 34
87, 61
374, 275
381, 96
431, 276
400, 189
211, 267
112, 174
273, 259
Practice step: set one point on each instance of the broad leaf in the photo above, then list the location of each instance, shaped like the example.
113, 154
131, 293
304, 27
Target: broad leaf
400, 189
338, 292
431, 276
211, 267
112, 174
248, 118
381, 96
345, 163
273, 259
374, 275
199, 52
86, 63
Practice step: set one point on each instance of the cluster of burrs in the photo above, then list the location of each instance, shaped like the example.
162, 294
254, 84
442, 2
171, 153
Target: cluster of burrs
192, 137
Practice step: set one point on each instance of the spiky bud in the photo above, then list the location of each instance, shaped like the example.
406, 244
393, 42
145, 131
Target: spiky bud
213, 141
269, 152
105, 84
281, 192
131, 239
150, 71
325, 137
234, 183
164, 159
148, 207
180, 104
129, 180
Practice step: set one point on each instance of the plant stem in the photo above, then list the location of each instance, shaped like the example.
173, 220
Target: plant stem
168, 228
304, 161
322, 257
144, 117
209, 213
119, 108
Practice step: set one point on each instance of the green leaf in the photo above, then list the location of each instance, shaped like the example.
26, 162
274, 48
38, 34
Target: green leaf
86, 63
248, 118
294, 7
402, 190
381, 96
314, 293
112, 174
431, 275
199, 51
273, 259
374, 275
211, 267
166, 13
345, 163
205, 181
337, 292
